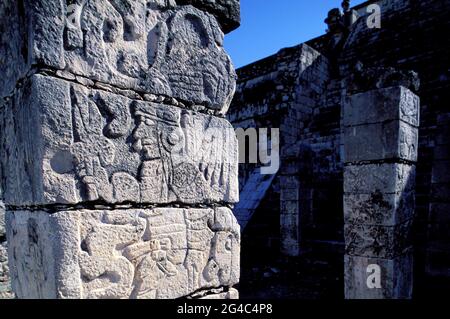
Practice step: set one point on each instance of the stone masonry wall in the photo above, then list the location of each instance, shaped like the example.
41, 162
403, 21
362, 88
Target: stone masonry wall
118, 168
413, 36
286, 91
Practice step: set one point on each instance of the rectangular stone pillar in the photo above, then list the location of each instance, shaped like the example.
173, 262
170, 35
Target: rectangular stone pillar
118, 167
380, 149
290, 215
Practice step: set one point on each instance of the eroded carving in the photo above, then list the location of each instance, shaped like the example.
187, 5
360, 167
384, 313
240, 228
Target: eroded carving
152, 46
182, 156
159, 253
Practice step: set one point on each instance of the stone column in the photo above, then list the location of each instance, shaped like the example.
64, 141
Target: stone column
290, 215
119, 169
380, 146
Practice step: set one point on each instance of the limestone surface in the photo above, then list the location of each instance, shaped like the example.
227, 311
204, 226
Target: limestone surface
381, 125
136, 253
376, 240
227, 11
396, 277
64, 143
385, 178
379, 208
2, 220
381, 141
152, 46
377, 106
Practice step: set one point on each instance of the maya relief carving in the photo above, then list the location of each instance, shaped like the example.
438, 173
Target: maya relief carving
152, 46
136, 151
162, 253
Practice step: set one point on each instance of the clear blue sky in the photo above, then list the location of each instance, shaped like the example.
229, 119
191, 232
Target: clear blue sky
269, 25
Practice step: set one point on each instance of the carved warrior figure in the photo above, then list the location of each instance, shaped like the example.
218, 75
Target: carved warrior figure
124, 108
146, 44
176, 162
191, 248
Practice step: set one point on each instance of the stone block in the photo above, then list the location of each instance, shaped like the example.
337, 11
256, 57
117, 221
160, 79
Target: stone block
387, 209
380, 141
153, 46
227, 12
396, 277
387, 178
63, 143
377, 241
381, 105
121, 254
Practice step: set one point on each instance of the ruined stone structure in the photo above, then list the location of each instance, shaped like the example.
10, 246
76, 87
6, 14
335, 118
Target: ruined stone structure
364, 151
380, 138
118, 169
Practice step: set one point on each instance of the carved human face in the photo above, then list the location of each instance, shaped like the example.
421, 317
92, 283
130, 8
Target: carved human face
146, 138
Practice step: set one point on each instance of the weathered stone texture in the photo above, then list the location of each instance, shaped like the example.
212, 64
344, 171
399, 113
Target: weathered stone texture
149, 46
382, 105
5, 284
231, 294
228, 12
259, 103
80, 144
379, 208
388, 140
386, 178
377, 241
381, 125
137, 253
2, 220
396, 277
118, 105
5, 288
380, 147
406, 23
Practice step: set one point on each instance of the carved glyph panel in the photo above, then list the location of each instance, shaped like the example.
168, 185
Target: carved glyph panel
159, 253
151, 46
93, 145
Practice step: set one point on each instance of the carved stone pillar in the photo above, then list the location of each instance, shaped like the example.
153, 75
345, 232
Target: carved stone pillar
118, 168
380, 146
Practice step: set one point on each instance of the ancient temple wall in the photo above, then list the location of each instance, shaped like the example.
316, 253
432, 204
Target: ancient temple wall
287, 91
409, 40
118, 167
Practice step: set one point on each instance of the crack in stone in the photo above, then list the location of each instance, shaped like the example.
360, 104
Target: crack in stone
98, 85
55, 208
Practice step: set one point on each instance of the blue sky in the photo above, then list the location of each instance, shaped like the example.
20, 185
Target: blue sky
269, 25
